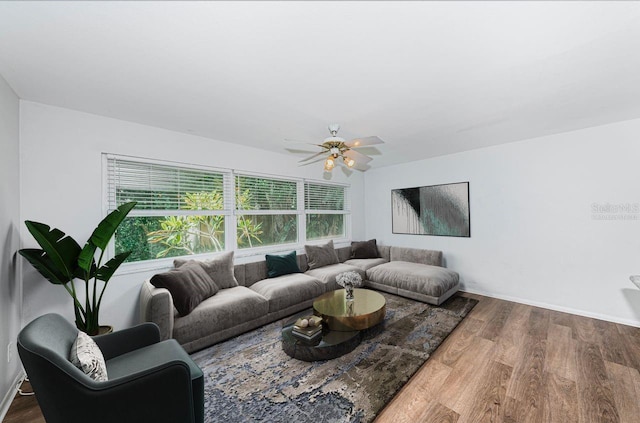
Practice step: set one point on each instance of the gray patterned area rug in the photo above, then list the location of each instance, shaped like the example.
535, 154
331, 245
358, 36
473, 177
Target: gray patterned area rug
250, 379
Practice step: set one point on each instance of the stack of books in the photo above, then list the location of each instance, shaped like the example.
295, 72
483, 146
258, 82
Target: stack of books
309, 332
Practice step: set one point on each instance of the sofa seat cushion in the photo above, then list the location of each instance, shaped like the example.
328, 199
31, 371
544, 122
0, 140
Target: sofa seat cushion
433, 281
365, 264
285, 291
229, 307
327, 274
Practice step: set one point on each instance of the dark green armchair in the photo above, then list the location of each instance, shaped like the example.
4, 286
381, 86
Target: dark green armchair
149, 380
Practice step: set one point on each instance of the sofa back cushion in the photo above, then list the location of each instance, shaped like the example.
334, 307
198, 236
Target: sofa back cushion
238, 272
344, 254
416, 255
385, 252
302, 262
254, 272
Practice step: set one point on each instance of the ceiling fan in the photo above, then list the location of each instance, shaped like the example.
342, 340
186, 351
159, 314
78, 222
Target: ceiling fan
335, 148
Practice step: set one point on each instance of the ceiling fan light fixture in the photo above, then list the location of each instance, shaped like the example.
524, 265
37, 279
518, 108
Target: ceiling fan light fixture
334, 148
329, 164
334, 140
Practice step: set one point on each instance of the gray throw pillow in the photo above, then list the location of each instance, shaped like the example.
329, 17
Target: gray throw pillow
321, 255
219, 268
86, 355
364, 249
189, 286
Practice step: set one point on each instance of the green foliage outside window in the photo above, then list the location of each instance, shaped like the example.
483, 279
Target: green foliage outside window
150, 237
320, 226
192, 234
254, 193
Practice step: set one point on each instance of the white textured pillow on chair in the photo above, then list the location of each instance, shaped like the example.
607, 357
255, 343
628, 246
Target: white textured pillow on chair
86, 355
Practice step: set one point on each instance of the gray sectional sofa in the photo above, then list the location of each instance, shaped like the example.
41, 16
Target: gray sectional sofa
257, 300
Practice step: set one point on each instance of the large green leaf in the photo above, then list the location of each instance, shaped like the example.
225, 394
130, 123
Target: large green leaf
61, 249
86, 258
105, 230
43, 264
83, 274
109, 268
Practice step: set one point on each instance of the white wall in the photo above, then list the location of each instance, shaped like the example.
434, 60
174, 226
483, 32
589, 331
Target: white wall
533, 237
62, 186
10, 291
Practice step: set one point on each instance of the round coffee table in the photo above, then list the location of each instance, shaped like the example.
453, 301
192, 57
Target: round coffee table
366, 310
331, 345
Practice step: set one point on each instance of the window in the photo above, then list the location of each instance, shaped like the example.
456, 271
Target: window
180, 211
184, 210
327, 209
266, 211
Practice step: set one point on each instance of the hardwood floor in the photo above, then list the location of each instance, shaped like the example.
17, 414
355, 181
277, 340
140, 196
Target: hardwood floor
511, 363
24, 408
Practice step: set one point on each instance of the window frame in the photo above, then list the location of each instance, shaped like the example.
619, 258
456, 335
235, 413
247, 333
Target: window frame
265, 212
230, 212
346, 211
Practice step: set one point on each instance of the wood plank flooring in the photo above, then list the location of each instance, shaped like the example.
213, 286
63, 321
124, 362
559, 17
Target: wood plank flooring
511, 363
24, 409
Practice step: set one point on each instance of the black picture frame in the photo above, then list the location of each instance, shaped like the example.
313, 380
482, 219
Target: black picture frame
436, 210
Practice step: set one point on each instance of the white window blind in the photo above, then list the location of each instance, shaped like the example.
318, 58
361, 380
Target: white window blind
158, 186
327, 210
326, 198
262, 193
185, 209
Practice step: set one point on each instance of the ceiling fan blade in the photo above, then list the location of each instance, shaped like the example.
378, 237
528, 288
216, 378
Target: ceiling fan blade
312, 157
362, 142
358, 157
309, 161
288, 140
361, 166
301, 151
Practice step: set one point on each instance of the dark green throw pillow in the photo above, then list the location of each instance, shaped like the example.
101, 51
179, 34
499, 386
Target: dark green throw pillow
282, 265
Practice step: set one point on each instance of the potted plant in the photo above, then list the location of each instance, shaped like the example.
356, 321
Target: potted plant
61, 261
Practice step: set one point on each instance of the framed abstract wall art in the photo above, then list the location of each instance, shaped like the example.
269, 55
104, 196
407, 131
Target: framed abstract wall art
432, 210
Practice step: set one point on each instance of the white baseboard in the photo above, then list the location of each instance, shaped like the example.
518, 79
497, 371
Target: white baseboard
598, 316
8, 398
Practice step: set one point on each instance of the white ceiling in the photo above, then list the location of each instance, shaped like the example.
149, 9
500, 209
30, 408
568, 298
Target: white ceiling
430, 78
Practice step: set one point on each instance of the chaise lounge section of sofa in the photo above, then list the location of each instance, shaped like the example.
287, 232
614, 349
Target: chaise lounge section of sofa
410, 272
255, 300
